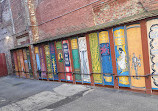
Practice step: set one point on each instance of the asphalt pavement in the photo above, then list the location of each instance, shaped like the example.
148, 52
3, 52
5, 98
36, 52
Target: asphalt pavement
17, 94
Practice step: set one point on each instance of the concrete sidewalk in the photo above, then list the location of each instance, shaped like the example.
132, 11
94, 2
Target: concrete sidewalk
33, 95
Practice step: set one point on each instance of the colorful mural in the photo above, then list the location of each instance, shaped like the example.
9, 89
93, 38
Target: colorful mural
76, 59
121, 56
135, 55
38, 60
152, 31
60, 60
53, 60
48, 62
42, 61
95, 57
106, 57
84, 59
66, 53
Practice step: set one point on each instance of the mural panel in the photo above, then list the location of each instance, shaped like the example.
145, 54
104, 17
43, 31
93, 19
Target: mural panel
135, 55
19, 64
76, 59
152, 30
67, 59
15, 63
42, 61
22, 63
29, 63
60, 60
38, 60
95, 57
48, 61
84, 59
106, 57
26, 63
121, 56
53, 61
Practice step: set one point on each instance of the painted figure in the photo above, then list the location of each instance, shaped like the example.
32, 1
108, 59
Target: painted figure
122, 60
136, 63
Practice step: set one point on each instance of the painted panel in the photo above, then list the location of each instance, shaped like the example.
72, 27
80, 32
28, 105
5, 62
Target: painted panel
106, 57
60, 60
19, 64
121, 56
38, 60
48, 61
26, 63
15, 63
76, 59
135, 55
95, 57
22, 63
29, 63
53, 61
152, 31
42, 61
66, 52
84, 59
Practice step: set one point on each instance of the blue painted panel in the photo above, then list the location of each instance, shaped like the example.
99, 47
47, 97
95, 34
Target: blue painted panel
121, 56
106, 63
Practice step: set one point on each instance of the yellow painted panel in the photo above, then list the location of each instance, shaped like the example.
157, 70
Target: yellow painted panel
74, 44
95, 57
135, 56
103, 37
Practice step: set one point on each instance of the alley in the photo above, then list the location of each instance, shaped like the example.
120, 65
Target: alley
19, 94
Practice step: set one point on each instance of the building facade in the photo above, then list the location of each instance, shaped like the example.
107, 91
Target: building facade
98, 42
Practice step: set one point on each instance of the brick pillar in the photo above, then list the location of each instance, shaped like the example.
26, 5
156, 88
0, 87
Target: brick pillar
144, 38
113, 58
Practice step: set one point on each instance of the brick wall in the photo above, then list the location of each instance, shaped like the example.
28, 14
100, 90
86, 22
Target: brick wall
100, 12
19, 15
6, 29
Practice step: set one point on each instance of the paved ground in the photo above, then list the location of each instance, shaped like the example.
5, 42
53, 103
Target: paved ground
33, 95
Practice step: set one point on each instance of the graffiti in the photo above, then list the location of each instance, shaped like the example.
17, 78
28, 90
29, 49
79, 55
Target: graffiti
95, 57
84, 59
